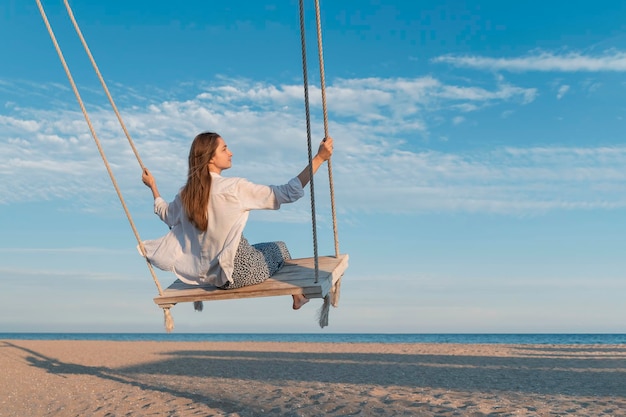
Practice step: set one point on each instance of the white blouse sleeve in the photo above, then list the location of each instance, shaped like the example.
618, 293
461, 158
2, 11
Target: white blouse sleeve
260, 197
168, 213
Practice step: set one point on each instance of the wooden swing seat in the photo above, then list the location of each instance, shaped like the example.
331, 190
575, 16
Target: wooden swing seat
297, 276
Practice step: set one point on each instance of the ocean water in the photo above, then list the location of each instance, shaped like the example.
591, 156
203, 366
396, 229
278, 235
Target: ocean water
462, 338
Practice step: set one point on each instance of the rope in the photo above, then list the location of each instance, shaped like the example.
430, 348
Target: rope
104, 86
320, 51
97, 141
333, 296
308, 137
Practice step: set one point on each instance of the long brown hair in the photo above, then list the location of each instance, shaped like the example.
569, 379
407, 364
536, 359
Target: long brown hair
195, 194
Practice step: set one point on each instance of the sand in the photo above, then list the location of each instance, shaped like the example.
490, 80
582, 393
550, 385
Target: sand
104, 378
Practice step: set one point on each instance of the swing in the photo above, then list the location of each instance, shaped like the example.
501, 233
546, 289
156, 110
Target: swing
314, 277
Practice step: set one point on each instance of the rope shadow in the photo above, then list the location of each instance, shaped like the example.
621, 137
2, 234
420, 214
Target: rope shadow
65, 370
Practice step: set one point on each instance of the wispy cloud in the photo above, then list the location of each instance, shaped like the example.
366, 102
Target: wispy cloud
614, 61
506, 180
562, 91
51, 155
394, 98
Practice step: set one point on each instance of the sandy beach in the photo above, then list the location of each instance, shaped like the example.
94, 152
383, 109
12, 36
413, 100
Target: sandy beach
105, 378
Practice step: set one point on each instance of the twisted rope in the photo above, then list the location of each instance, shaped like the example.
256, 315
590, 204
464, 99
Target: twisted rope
320, 51
168, 320
333, 296
308, 137
104, 86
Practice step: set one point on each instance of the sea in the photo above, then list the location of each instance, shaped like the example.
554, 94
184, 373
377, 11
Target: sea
458, 338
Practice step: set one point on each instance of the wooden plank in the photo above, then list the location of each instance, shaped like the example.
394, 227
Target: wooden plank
297, 276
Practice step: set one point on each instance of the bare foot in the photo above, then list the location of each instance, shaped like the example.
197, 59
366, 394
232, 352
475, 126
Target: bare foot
298, 301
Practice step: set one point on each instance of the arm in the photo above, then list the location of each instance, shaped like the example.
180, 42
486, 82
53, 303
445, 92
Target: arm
169, 213
323, 154
264, 197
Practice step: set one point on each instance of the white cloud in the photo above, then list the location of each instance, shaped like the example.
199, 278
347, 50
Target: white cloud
17, 124
591, 86
506, 180
373, 120
543, 61
562, 91
402, 97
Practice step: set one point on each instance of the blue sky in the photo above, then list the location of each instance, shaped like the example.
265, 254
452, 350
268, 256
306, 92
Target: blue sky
478, 169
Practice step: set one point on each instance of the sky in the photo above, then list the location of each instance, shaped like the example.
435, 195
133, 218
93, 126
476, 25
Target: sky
478, 169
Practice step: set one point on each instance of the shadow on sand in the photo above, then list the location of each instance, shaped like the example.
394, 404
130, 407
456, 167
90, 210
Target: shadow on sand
588, 371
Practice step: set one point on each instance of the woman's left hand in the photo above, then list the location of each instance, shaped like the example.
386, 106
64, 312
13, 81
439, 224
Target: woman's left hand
325, 150
147, 178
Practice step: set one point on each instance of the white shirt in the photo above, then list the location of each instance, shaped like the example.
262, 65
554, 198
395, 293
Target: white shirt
198, 257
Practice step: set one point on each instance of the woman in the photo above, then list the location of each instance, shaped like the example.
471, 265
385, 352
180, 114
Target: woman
205, 244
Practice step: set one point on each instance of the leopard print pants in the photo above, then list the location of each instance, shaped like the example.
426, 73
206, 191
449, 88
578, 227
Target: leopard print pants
254, 264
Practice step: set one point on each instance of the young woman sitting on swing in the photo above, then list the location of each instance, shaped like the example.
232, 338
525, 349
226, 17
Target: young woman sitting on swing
205, 244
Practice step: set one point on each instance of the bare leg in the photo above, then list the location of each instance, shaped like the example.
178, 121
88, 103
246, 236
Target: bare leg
299, 300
